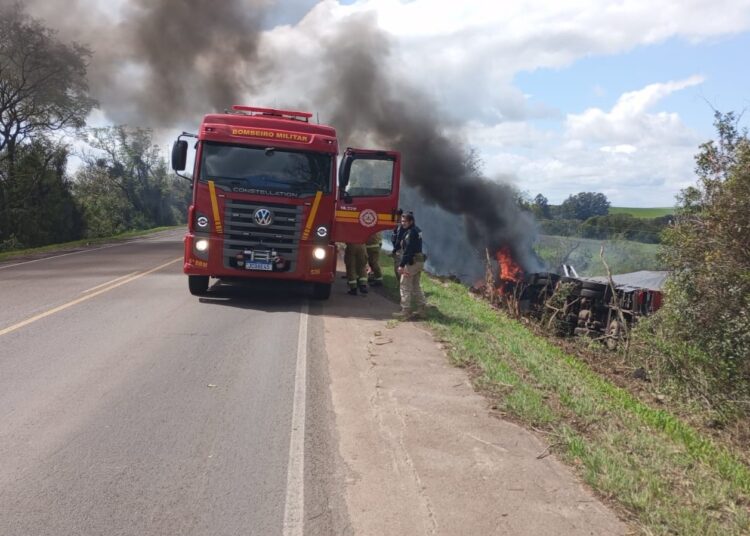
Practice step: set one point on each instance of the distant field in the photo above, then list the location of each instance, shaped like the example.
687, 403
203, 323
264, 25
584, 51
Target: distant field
642, 212
583, 253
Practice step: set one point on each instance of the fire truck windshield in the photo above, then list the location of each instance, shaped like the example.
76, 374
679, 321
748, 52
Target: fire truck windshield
266, 171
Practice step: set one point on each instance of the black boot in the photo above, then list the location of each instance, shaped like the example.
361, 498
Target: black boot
363, 289
352, 291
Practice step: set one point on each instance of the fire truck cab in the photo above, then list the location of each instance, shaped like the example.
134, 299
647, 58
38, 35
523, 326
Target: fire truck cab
268, 203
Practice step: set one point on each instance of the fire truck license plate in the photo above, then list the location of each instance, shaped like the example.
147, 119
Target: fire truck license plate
266, 266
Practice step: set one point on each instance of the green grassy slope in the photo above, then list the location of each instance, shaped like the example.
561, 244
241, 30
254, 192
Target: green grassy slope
665, 476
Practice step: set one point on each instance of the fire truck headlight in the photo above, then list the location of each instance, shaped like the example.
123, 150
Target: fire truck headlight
319, 253
201, 245
322, 231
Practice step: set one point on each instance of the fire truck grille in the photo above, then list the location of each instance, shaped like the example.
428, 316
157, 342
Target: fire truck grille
242, 232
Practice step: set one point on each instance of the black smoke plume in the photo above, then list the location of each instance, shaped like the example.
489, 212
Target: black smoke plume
197, 54
163, 63
372, 104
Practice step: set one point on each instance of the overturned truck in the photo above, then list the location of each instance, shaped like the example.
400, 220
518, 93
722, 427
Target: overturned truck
586, 306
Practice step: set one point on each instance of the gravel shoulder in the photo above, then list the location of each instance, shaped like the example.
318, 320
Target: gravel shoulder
421, 452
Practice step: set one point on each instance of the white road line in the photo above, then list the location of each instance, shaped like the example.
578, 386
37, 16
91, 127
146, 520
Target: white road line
294, 509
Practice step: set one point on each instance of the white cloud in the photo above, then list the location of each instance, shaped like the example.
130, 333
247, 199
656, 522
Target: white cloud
629, 121
509, 134
625, 148
465, 56
632, 155
469, 51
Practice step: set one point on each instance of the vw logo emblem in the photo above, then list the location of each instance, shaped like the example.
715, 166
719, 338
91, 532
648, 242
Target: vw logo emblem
263, 216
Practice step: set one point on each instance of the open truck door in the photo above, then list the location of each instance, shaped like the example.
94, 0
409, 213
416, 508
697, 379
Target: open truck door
368, 194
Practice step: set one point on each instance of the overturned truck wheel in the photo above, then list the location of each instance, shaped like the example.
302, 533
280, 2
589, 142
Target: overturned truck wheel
592, 293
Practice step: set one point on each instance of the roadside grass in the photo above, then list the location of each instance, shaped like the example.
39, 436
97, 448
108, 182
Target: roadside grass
643, 212
660, 473
12, 254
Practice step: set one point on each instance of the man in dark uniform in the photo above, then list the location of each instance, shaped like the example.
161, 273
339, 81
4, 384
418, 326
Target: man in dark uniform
410, 268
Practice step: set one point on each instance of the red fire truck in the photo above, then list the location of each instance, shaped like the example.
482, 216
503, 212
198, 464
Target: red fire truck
266, 199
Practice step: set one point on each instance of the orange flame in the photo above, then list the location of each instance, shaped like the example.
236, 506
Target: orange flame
509, 271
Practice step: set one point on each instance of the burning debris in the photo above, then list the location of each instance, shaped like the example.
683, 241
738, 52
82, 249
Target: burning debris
595, 307
509, 272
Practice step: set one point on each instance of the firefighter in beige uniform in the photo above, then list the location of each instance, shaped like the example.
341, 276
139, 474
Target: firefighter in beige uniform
355, 260
412, 263
373, 245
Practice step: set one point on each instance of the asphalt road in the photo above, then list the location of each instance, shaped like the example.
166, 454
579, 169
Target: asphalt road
128, 406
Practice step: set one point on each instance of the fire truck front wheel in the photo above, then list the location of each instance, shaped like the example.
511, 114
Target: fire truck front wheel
198, 284
321, 291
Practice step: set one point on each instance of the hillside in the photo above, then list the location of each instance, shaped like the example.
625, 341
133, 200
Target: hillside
583, 253
655, 212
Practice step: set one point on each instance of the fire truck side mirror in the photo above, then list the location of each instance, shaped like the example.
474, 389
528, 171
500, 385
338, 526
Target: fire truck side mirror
179, 155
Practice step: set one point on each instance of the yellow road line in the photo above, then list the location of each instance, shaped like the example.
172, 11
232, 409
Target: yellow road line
64, 306
109, 282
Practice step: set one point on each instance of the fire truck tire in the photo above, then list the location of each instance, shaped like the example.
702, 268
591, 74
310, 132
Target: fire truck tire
590, 293
198, 284
321, 291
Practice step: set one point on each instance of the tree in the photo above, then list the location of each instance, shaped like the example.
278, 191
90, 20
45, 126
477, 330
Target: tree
540, 208
125, 184
43, 86
40, 207
523, 199
584, 205
43, 90
708, 251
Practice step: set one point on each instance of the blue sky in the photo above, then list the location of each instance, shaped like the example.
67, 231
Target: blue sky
599, 80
